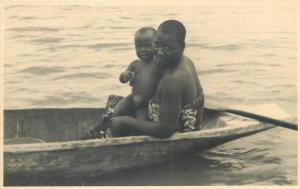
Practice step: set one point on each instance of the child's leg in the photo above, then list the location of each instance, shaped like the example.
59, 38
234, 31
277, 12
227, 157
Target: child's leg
124, 107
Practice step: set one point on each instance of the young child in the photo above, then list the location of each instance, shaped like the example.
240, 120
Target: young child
143, 75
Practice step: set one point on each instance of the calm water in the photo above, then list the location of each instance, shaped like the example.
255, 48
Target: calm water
71, 56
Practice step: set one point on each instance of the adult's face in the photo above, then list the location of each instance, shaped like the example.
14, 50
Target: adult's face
168, 50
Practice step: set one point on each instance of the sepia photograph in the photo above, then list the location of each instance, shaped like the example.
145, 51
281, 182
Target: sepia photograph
149, 93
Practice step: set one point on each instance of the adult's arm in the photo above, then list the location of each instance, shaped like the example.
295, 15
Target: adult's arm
171, 94
195, 74
200, 92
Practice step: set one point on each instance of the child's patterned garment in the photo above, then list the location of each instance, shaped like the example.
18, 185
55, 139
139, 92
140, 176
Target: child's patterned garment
188, 112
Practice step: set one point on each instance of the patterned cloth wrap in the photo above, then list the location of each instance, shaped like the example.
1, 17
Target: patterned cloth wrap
188, 112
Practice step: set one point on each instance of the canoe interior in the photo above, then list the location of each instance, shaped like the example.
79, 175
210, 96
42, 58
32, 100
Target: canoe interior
58, 125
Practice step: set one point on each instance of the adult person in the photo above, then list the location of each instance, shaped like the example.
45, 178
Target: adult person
177, 104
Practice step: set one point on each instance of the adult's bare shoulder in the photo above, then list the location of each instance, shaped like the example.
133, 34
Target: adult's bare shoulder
194, 70
187, 59
173, 82
190, 62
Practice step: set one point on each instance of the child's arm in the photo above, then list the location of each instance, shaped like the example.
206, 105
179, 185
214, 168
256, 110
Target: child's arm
128, 75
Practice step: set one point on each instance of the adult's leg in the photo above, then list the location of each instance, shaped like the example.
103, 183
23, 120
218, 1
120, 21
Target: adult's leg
141, 113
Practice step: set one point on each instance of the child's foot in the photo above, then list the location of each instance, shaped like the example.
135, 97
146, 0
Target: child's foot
100, 132
93, 134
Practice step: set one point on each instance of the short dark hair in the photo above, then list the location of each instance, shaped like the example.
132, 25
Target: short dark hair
174, 27
145, 29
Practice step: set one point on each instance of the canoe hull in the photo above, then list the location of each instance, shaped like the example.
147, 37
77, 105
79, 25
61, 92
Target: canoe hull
65, 160
38, 168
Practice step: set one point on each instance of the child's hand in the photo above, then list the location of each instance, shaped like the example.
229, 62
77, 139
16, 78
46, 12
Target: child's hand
127, 76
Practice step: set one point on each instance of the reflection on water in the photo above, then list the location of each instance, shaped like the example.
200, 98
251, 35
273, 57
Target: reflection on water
71, 56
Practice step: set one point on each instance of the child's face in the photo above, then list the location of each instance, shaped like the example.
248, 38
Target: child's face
144, 45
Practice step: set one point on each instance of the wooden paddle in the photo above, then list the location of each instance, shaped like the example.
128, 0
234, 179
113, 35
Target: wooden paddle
259, 118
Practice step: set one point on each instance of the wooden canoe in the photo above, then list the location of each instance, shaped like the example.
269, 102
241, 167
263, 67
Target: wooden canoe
63, 157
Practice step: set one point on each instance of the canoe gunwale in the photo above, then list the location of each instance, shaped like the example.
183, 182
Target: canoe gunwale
94, 143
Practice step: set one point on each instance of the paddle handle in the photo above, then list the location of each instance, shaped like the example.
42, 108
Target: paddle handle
260, 118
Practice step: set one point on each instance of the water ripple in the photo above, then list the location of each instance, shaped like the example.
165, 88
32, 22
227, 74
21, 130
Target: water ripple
244, 82
227, 47
73, 46
37, 70
268, 55
47, 40
33, 29
212, 71
27, 18
64, 100
110, 65
247, 63
108, 45
125, 17
83, 75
